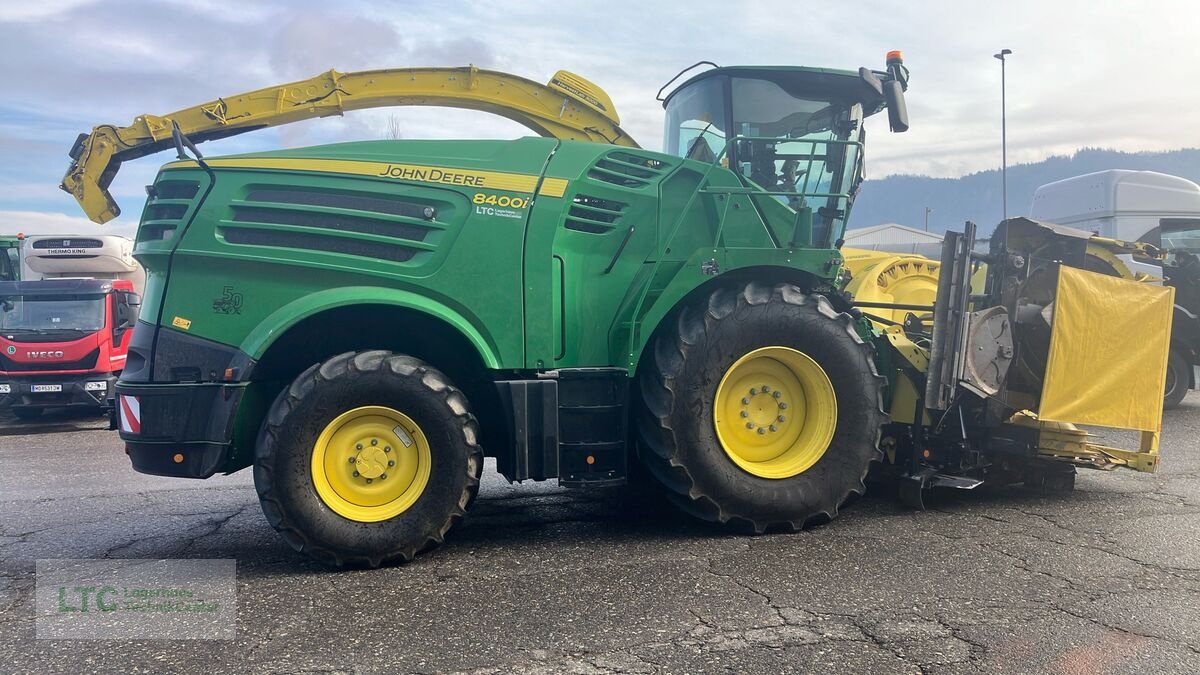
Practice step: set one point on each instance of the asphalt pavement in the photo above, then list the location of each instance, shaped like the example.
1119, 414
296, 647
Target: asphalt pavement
540, 579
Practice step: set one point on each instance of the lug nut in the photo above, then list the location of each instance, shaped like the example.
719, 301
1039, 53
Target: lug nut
391, 462
753, 391
783, 406
745, 414
745, 401
778, 394
358, 446
387, 448
374, 441
749, 425
351, 460
761, 431
766, 389
356, 474
369, 480
782, 418
773, 429
383, 476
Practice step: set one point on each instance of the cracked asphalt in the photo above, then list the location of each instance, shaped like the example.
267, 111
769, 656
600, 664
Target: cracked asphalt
539, 579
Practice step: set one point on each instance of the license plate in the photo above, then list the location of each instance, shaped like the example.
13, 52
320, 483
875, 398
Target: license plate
44, 388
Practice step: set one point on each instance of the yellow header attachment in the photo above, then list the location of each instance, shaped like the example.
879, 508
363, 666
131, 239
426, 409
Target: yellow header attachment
568, 107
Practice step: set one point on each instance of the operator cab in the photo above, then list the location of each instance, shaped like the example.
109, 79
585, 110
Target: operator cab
796, 133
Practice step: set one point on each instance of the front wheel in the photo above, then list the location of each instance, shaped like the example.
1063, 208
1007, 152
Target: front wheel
1178, 376
762, 408
367, 458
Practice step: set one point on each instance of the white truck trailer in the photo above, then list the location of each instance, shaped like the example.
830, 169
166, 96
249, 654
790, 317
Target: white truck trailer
1150, 207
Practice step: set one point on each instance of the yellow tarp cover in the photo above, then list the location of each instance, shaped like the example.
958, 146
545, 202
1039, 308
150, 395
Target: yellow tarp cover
1108, 352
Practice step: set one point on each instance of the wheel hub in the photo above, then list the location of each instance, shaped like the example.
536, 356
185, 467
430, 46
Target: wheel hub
775, 412
371, 463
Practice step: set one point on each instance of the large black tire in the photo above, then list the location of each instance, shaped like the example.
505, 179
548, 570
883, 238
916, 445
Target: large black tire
27, 413
678, 441
1178, 376
283, 471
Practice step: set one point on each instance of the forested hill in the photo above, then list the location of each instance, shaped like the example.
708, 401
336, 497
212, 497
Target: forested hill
902, 199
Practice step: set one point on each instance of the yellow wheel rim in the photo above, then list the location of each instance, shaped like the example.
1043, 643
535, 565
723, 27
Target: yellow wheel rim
775, 412
370, 464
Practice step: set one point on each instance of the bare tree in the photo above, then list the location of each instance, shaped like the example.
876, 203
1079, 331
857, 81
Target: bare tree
393, 128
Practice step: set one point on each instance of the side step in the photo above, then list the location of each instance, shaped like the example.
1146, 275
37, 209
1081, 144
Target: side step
570, 424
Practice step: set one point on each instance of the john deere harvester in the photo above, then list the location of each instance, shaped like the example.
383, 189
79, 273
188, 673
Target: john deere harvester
362, 323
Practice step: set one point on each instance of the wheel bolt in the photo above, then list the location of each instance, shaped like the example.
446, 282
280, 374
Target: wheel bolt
383, 476
766, 389
391, 462
749, 425
745, 414
753, 391
369, 480
387, 448
745, 401
782, 418
351, 460
761, 431
374, 441
358, 446
783, 406
778, 394
773, 429
356, 474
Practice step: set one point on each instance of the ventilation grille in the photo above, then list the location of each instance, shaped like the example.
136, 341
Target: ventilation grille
316, 220
329, 221
86, 363
593, 214
627, 170
316, 242
168, 206
176, 189
67, 243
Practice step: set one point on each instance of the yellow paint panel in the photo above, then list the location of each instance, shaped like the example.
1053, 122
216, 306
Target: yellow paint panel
1108, 352
415, 173
554, 187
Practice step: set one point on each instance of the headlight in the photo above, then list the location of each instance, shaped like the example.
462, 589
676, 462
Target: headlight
95, 386
5, 388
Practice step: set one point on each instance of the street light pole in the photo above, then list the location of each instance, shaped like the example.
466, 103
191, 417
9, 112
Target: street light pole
1003, 131
927, 212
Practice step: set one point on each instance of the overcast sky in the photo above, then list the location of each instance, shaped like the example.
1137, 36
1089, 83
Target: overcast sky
1101, 74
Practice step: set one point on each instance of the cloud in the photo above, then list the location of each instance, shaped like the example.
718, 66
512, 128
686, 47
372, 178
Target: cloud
38, 222
311, 43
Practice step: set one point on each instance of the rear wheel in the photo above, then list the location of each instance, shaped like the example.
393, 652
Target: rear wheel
762, 408
1178, 376
367, 458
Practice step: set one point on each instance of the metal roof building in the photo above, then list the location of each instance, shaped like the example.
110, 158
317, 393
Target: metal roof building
896, 238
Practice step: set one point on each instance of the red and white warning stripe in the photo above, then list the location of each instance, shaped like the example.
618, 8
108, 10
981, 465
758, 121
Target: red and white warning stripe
131, 414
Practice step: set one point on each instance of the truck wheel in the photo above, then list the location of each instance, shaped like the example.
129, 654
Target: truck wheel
1178, 376
27, 413
367, 458
762, 409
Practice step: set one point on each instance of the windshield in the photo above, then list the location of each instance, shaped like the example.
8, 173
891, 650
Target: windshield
796, 144
1180, 234
695, 119
52, 312
8, 264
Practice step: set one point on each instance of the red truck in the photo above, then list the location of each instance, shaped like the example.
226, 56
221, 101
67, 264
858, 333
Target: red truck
64, 339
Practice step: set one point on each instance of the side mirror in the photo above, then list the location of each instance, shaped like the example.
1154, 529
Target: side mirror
127, 304
893, 94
